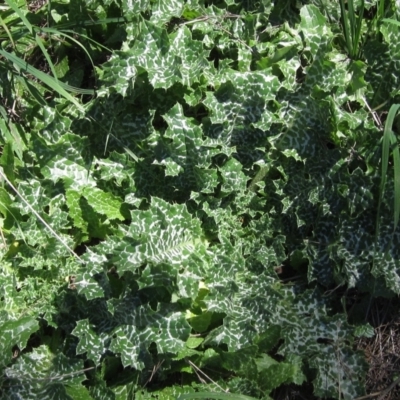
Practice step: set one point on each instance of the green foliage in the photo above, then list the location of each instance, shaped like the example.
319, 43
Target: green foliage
197, 149
352, 21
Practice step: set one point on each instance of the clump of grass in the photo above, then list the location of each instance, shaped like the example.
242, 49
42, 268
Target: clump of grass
389, 142
21, 69
352, 27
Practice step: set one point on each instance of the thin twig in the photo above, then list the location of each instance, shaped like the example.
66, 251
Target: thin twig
200, 378
153, 372
374, 114
382, 393
194, 21
389, 388
207, 17
203, 373
380, 106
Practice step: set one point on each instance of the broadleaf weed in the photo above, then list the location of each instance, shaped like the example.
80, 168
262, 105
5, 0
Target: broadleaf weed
203, 243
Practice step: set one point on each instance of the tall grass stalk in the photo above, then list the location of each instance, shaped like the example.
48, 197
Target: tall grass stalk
389, 141
352, 24
21, 65
5, 27
374, 25
380, 11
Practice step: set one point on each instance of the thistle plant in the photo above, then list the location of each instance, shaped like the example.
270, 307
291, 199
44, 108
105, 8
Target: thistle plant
207, 261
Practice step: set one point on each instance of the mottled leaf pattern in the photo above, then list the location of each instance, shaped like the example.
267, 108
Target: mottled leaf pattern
226, 141
40, 374
15, 333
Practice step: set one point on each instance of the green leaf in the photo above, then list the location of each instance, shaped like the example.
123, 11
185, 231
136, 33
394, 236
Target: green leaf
103, 202
89, 341
273, 374
39, 373
75, 210
194, 342
200, 323
143, 326
365, 330
223, 181
7, 161
163, 234
163, 11
15, 333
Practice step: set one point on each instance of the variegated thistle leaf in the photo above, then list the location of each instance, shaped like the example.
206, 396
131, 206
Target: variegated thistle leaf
164, 233
40, 374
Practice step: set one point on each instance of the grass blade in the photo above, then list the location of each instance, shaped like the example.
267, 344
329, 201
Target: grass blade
31, 30
55, 32
381, 10
352, 21
357, 34
112, 20
64, 32
396, 166
352, 26
346, 28
21, 15
51, 82
391, 21
388, 139
5, 27
31, 89
46, 55
34, 32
